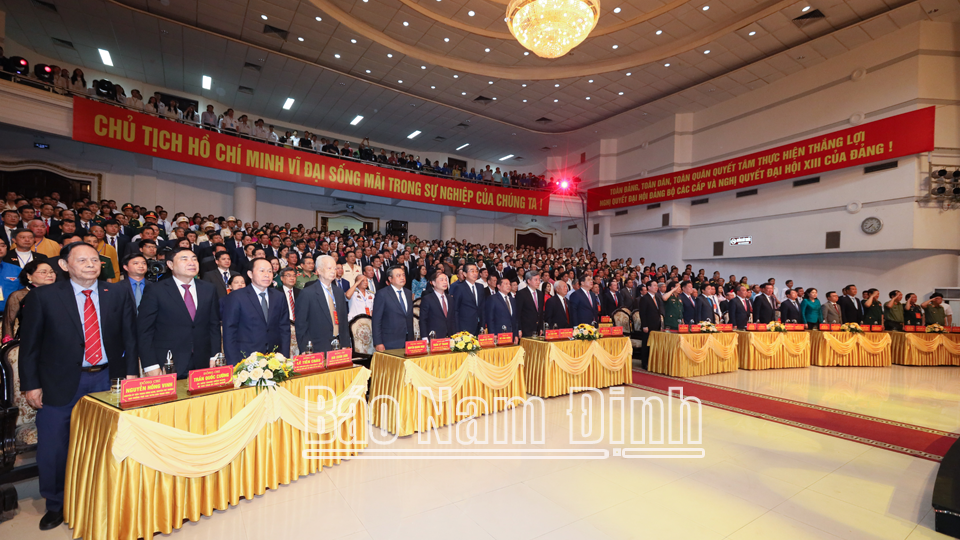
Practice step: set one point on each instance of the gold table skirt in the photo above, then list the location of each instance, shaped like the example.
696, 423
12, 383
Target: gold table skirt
667, 357
106, 499
906, 352
545, 378
751, 358
388, 380
823, 355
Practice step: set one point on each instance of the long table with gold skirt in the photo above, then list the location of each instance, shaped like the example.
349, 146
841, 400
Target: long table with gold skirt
692, 355
133, 473
871, 349
918, 349
553, 367
414, 394
773, 350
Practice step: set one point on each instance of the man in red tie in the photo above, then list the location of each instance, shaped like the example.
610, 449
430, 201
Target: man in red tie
557, 311
76, 336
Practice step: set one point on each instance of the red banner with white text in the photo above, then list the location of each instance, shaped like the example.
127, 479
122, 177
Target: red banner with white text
115, 127
902, 135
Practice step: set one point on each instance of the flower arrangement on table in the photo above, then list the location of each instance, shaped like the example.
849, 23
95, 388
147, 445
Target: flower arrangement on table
776, 326
707, 327
936, 329
585, 332
464, 342
262, 370
851, 327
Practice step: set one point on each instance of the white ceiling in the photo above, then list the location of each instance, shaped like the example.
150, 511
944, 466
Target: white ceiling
218, 37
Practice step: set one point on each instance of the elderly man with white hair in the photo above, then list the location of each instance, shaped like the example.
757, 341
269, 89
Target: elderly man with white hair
321, 311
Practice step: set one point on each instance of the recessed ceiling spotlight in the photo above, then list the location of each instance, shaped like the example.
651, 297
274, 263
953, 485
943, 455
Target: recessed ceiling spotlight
405, 23
433, 87
470, 13
423, 67
456, 76
806, 9
667, 64
616, 10
368, 71
463, 93
489, 82
319, 18
494, 99
659, 32
556, 101
616, 46
288, 103
621, 93
399, 82
706, 51
264, 17
462, 146
588, 98
207, 82
752, 33
526, 53
524, 101
705, 8
557, 85
524, 85
356, 120
105, 57
414, 134
338, 56
446, 40
353, 41
486, 50
629, 74
389, 55
299, 39
590, 81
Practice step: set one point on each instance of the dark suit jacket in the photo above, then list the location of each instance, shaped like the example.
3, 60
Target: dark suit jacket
392, 324
690, 312
52, 342
215, 278
738, 313
245, 331
554, 315
122, 243
629, 299
432, 318
608, 306
762, 310
163, 324
314, 323
470, 314
704, 310
530, 316
790, 312
649, 313
498, 317
12, 258
850, 310
581, 312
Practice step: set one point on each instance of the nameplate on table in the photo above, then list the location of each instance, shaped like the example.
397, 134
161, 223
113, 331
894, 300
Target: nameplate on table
616, 331
505, 338
605, 319
306, 363
487, 340
795, 327
606, 331
955, 329
339, 358
415, 348
552, 335
876, 327
824, 327
683, 329
156, 388
694, 328
909, 328
725, 327
835, 327
566, 333
440, 345
201, 380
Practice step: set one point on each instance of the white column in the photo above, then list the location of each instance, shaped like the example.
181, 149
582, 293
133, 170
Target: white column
603, 243
448, 225
245, 198
608, 161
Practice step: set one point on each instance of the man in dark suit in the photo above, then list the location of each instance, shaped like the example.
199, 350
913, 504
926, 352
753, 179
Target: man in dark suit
790, 308
706, 309
134, 275
649, 312
689, 303
321, 311
739, 308
379, 278
556, 312
20, 252
437, 313
501, 312
393, 312
611, 299
220, 276
256, 318
113, 238
629, 294
180, 315
468, 300
76, 335
530, 305
583, 303
850, 307
764, 305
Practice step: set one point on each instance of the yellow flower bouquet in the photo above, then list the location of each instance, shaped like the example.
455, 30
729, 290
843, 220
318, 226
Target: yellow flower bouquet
851, 327
262, 370
935, 329
707, 327
585, 332
776, 326
464, 342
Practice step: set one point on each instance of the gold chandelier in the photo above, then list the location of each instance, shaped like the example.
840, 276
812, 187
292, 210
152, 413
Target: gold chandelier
550, 28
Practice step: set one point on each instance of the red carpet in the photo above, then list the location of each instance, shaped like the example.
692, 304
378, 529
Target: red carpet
916, 441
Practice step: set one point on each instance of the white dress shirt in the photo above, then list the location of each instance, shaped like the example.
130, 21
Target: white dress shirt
361, 303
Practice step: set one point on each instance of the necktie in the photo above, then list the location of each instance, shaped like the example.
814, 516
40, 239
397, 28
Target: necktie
443, 302
293, 316
188, 300
402, 303
473, 291
534, 293
226, 278
509, 307
263, 305
589, 298
138, 293
113, 243
92, 349
333, 312
565, 312
47, 222
616, 303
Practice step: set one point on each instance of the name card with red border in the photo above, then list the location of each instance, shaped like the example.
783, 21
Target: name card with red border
605, 319
552, 335
866, 328
616, 330
909, 328
148, 389
751, 327
201, 380
876, 327
835, 327
955, 329
566, 333
683, 328
694, 328
415, 348
307, 363
795, 327
487, 340
824, 327
440, 345
339, 358
505, 338
606, 331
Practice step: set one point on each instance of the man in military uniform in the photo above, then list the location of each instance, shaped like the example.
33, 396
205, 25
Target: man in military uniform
306, 274
933, 312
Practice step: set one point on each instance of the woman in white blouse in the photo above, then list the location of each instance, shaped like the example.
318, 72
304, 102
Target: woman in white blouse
360, 299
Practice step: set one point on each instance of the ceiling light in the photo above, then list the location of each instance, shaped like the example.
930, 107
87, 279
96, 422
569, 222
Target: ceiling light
557, 85
287, 104
368, 71
423, 67
338, 56
705, 8
207, 82
470, 13
753, 33
486, 50
621, 93
399, 82
588, 98
590, 81
356, 120
319, 18
616, 10
433, 87
264, 17
105, 56
806, 9
405, 23
524, 101
506, 157
414, 134
616, 46
463, 93
353, 41
299, 39
550, 29
667, 64
494, 99
629, 74
489, 82
389, 55
556, 101
706, 51
446, 40
659, 32
524, 85
526, 53
456, 76
462, 146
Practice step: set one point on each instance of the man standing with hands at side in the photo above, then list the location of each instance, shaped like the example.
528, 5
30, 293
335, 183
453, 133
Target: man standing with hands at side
321, 311
76, 335
256, 318
530, 305
393, 312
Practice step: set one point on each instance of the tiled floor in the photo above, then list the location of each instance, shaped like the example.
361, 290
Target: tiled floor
758, 479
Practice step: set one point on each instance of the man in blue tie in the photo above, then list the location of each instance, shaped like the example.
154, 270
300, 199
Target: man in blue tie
135, 268
393, 312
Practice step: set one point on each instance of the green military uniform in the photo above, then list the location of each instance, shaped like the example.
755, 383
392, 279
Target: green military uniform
672, 312
873, 314
935, 315
106, 268
893, 317
303, 279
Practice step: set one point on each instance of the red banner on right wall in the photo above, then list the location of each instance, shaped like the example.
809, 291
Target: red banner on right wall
902, 135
